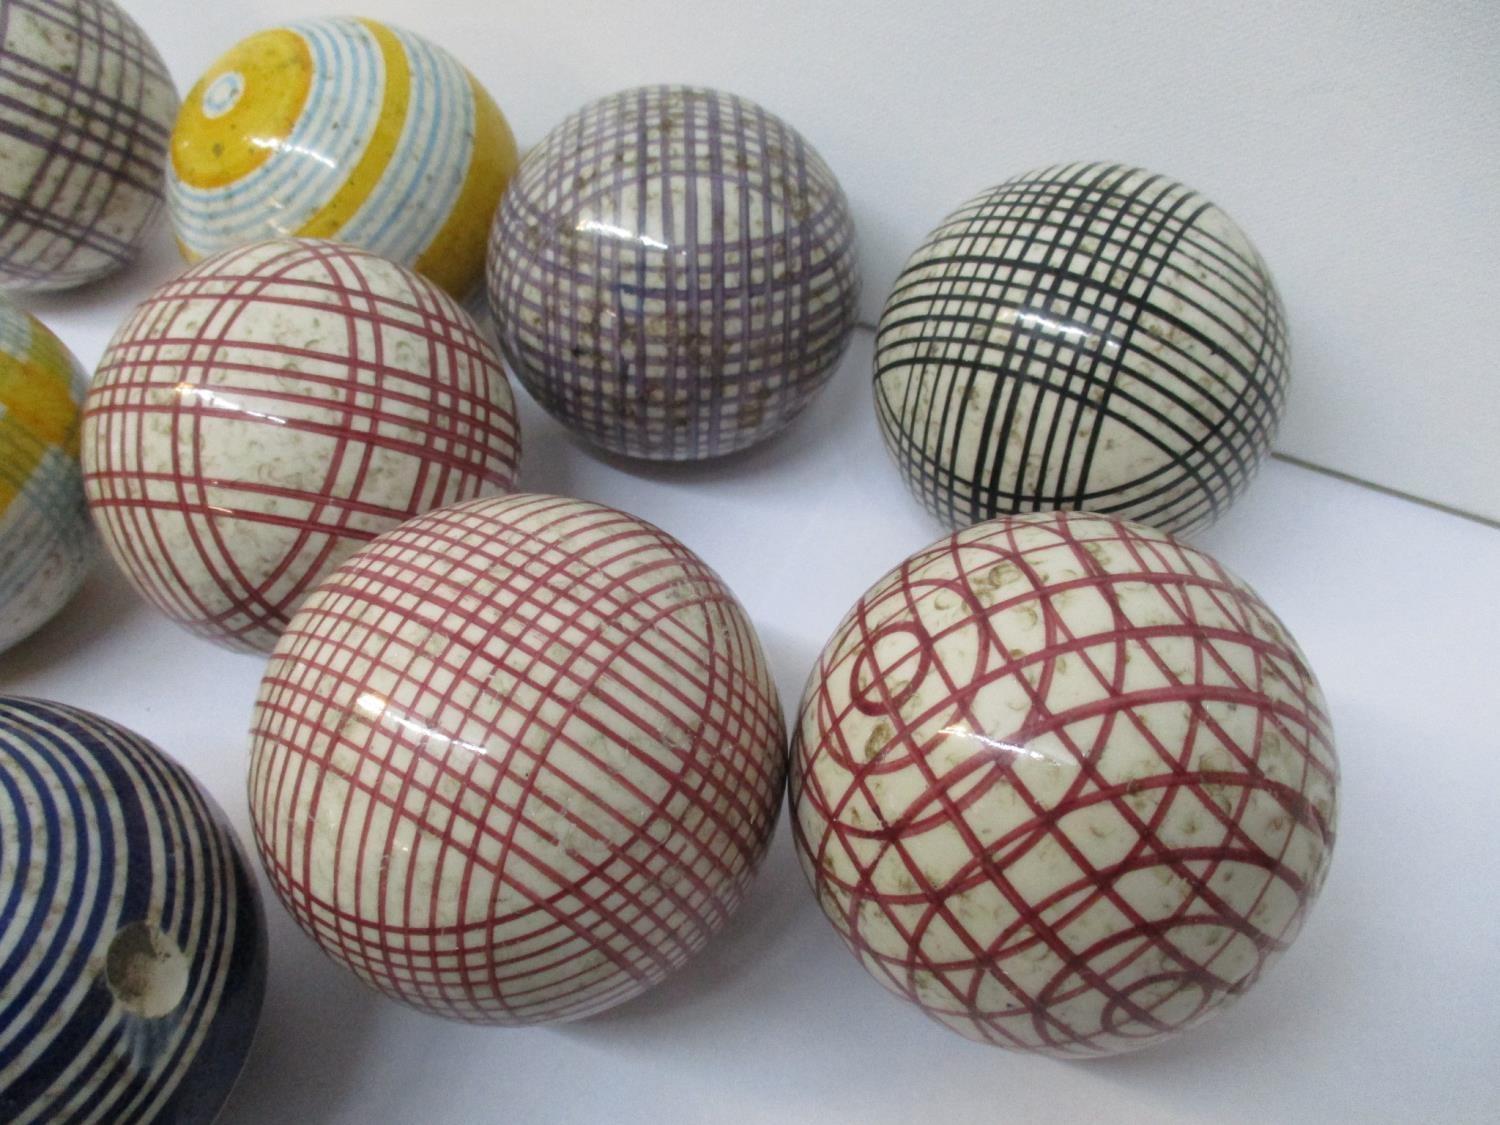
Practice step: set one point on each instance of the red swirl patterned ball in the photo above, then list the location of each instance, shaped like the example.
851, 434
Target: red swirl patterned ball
260, 417
1065, 783
516, 760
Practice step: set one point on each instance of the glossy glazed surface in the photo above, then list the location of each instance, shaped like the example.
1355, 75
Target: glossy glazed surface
673, 273
516, 760
1087, 336
346, 129
257, 419
86, 107
1064, 783
46, 545
132, 943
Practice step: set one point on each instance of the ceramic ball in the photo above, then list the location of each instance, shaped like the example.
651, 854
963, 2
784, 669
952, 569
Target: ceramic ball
345, 129
516, 760
1088, 337
46, 544
131, 927
1064, 783
673, 273
257, 419
86, 107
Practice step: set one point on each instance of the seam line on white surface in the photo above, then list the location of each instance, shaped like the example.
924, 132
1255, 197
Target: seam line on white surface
1447, 509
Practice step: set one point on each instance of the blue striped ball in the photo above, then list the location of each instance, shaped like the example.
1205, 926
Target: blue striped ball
132, 942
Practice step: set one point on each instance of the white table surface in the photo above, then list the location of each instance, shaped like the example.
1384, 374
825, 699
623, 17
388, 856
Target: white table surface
1386, 1009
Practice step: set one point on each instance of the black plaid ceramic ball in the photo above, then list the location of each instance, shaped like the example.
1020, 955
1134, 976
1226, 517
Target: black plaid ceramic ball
673, 273
1088, 336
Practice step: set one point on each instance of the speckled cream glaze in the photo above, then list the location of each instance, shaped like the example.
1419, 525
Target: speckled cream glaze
673, 273
344, 128
1091, 337
257, 419
1065, 783
131, 933
517, 760
46, 543
86, 106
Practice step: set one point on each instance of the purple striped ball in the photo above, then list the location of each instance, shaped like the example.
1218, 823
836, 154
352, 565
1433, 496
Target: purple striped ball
86, 107
673, 273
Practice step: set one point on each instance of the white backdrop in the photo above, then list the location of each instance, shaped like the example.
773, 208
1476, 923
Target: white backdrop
1357, 143
1360, 153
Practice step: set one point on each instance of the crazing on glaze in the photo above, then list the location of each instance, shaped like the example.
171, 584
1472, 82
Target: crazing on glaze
517, 760
86, 107
258, 418
131, 930
345, 129
1065, 783
1089, 337
673, 273
46, 544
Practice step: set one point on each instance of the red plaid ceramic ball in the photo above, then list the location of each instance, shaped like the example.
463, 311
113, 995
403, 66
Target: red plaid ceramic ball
263, 415
516, 760
1065, 783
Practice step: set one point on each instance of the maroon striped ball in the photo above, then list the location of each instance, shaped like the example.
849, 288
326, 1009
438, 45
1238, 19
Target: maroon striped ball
516, 760
259, 418
1065, 783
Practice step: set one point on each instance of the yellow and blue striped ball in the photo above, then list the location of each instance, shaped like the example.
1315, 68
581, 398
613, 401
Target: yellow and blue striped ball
46, 543
344, 129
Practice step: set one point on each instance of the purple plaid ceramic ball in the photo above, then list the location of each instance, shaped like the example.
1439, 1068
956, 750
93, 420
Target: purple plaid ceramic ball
86, 107
673, 273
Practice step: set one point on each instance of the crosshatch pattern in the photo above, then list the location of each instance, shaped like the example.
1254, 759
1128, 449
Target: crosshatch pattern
86, 108
260, 417
1087, 336
100, 832
516, 760
673, 273
1065, 783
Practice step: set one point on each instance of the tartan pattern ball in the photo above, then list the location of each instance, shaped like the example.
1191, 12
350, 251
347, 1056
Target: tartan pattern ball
1084, 337
516, 760
258, 418
86, 108
1064, 783
673, 273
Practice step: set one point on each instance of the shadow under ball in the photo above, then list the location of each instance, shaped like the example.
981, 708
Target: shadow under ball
1064, 783
673, 273
1090, 337
134, 946
516, 760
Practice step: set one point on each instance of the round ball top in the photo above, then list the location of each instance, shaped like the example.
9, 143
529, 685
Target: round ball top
673, 273
1090, 336
259, 417
1065, 783
516, 760
86, 107
347, 129
134, 946
45, 541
